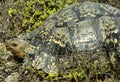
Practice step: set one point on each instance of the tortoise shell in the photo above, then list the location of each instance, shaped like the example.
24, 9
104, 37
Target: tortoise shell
88, 29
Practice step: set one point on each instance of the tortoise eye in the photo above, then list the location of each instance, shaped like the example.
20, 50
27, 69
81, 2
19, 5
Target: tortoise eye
14, 44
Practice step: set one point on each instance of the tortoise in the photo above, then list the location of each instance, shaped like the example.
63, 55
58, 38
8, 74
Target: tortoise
85, 29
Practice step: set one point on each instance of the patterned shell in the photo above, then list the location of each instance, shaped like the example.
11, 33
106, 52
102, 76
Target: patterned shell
84, 29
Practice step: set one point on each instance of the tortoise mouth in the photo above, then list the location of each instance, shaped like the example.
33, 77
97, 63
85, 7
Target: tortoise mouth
9, 48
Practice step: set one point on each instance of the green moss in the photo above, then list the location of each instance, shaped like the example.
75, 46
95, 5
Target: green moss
11, 11
34, 12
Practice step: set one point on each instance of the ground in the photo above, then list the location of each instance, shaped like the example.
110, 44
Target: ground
11, 69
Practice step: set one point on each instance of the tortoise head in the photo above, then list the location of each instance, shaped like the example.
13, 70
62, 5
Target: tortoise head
16, 46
